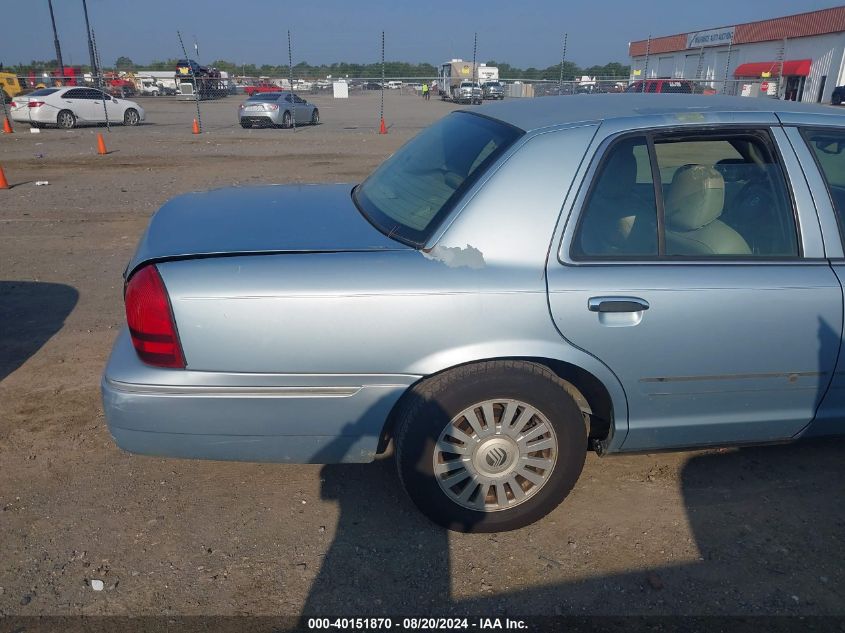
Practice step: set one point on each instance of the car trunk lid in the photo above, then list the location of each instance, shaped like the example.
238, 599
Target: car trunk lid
254, 220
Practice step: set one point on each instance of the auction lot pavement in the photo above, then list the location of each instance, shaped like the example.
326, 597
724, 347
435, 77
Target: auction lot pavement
755, 531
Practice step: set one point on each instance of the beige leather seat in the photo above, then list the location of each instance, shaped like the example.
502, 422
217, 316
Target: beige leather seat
693, 204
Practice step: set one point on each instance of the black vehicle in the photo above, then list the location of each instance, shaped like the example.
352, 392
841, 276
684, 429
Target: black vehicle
838, 95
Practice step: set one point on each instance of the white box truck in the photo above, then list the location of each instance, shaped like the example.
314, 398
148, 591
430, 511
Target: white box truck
456, 79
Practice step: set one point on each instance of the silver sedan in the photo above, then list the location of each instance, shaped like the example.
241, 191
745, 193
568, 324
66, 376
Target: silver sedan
519, 284
277, 109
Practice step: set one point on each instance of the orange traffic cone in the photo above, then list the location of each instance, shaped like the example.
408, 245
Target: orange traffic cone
196, 127
7, 127
382, 128
101, 145
3, 182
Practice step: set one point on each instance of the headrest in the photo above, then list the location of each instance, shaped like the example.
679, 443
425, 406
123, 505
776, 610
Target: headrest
620, 173
695, 198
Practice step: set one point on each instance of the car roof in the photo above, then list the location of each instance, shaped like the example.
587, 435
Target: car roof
544, 112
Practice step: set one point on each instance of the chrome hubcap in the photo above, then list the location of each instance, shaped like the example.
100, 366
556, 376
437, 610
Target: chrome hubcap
495, 455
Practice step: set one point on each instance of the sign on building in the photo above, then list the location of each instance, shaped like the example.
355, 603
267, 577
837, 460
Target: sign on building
713, 37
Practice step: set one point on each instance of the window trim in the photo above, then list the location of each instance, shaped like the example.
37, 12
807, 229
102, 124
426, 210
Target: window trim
840, 222
763, 131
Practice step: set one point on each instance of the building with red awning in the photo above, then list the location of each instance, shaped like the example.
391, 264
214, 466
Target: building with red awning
799, 57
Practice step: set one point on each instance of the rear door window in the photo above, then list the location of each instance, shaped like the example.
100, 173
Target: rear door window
712, 195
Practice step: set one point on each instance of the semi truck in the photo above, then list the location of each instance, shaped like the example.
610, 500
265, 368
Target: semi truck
208, 81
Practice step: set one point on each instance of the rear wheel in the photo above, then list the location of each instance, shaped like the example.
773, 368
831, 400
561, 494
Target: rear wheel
246, 125
131, 117
837, 99
66, 119
490, 447
315, 117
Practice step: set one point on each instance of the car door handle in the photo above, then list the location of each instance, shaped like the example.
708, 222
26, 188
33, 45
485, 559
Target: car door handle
617, 304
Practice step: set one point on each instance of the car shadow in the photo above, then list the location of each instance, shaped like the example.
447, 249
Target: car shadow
766, 522
30, 314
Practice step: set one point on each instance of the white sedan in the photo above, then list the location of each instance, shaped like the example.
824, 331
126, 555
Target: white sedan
70, 106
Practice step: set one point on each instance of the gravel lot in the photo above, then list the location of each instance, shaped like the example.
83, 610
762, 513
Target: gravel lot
756, 531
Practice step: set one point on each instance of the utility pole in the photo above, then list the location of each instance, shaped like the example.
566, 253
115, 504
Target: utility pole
474, 67
95, 72
562, 62
56, 41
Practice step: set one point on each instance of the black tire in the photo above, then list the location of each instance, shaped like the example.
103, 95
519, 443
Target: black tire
836, 99
315, 117
430, 407
66, 119
246, 125
131, 117
286, 120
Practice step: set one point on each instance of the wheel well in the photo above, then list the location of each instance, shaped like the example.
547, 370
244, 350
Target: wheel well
589, 394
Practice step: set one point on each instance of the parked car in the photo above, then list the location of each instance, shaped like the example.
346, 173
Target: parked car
372, 85
838, 95
677, 86
72, 106
493, 90
263, 86
671, 280
277, 109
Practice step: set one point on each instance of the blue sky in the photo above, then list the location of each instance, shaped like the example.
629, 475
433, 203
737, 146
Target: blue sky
523, 33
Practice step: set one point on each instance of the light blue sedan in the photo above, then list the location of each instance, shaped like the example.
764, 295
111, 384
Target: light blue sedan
519, 284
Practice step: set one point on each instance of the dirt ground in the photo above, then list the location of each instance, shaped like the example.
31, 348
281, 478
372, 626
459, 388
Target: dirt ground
755, 531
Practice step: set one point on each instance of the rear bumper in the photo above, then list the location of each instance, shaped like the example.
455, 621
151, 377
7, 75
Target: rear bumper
44, 114
314, 418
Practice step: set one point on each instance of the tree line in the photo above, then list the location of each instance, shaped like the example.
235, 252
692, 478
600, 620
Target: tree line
352, 70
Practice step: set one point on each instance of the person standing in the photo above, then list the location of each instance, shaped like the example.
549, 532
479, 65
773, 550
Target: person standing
425, 91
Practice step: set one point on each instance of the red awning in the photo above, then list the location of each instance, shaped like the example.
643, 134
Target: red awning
791, 67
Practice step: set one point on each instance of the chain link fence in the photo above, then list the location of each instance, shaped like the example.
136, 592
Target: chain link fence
219, 85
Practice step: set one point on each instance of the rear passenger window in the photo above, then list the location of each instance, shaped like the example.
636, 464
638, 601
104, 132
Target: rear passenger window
713, 196
724, 197
828, 146
620, 217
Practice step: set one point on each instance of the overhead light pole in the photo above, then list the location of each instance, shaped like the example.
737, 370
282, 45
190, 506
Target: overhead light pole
94, 70
56, 41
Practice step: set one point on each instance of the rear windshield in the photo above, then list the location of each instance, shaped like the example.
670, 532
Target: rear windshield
413, 190
494, 84
43, 92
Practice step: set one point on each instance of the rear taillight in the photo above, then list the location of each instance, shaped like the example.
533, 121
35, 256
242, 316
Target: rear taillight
35, 104
14, 104
150, 320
